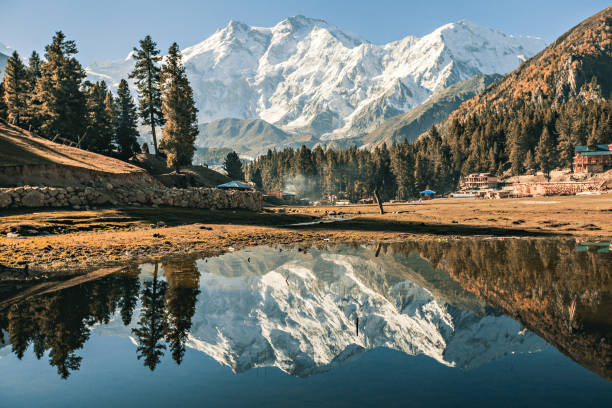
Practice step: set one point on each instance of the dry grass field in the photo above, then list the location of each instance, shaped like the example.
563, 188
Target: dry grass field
73, 241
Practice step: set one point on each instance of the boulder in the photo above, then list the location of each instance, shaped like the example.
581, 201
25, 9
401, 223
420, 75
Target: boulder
33, 198
5, 199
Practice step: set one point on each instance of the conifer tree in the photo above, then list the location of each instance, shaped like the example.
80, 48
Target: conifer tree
152, 324
34, 73
544, 153
180, 113
233, 166
16, 90
2, 103
147, 75
126, 135
61, 104
101, 130
529, 163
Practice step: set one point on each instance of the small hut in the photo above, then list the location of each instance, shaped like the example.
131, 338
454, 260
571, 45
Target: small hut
427, 194
235, 185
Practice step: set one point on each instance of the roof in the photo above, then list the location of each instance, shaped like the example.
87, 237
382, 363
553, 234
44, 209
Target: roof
428, 192
233, 184
601, 148
596, 153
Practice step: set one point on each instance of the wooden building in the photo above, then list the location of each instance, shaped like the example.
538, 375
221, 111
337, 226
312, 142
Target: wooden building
479, 181
593, 158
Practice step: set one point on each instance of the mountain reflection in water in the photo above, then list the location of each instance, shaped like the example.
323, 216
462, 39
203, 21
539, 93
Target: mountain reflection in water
463, 303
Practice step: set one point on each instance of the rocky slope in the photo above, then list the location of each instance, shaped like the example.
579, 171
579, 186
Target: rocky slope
310, 76
412, 124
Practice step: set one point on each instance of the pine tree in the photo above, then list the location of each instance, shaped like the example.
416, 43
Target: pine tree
255, 177
34, 73
61, 104
147, 76
16, 90
178, 108
152, 325
529, 163
2, 103
145, 148
233, 166
101, 130
544, 153
126, 136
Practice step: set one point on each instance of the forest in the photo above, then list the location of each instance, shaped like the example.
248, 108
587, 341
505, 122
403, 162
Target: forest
505, 142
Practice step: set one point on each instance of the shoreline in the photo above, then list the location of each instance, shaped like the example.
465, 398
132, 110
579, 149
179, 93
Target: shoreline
72, 242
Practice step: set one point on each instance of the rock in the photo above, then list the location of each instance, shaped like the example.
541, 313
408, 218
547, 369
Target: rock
141, 197
33, 198
5, 199
109, 186
74, 200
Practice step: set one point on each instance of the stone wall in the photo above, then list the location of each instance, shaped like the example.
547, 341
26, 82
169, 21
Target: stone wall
87, 197
549, 189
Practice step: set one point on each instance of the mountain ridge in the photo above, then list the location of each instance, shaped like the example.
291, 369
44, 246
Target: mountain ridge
308, 76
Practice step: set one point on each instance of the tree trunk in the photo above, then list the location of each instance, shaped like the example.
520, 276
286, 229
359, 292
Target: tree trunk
378, 201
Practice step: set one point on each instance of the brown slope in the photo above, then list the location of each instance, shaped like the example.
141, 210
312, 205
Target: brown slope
561, 71
28, 159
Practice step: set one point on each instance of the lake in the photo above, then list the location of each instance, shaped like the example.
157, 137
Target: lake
470, 322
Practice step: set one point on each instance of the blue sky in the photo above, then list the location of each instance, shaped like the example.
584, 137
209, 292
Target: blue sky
108, 29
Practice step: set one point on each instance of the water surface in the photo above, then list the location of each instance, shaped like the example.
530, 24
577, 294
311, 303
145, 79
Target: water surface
457, 323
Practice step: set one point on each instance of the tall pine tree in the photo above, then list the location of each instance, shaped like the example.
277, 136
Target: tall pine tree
126, 135
100, 131
545, 155
61, 107
2, 103
147, 75
180, 113
233, 166
16, 90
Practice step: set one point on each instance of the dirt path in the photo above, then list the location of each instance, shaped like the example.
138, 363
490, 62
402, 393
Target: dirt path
83, 240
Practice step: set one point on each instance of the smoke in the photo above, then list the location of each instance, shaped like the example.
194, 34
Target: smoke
301, 186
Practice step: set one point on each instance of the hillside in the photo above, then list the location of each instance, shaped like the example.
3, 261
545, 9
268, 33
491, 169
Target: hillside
250, 137
563, 70
436, 109
28, 159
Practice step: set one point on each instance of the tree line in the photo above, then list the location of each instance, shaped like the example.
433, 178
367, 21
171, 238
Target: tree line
50, 97
505, 142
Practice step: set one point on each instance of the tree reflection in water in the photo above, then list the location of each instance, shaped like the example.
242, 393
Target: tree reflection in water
60, 323
562, 295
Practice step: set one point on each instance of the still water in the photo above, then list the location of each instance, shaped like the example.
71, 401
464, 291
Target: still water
458, 323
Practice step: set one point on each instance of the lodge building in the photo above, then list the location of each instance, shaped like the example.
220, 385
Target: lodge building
479, 181
593, 158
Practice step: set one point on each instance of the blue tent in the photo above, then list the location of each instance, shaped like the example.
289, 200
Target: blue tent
234, 184
428, 192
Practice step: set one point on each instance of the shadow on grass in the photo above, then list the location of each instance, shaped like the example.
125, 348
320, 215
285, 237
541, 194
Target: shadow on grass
175, 217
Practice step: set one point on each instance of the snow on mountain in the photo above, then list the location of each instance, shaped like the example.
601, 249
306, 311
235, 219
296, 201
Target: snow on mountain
5, 53
306, 75
298, 312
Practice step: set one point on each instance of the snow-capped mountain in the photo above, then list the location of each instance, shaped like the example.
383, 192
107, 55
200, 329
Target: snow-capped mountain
5, 53
298, 312
306, 75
